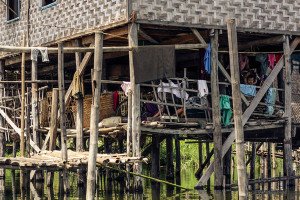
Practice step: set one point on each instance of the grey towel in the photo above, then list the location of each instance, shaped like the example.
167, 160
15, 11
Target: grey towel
152, 63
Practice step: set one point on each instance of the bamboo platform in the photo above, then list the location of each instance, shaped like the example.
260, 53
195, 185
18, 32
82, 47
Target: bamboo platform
51, 160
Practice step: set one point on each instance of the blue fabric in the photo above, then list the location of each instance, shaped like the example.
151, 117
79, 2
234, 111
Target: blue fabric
207, 59
248, 90
263, 59
270, 100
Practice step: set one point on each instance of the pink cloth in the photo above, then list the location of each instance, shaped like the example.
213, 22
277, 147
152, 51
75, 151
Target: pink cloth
272, 60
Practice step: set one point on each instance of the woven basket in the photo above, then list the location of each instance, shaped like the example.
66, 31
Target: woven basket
106, 108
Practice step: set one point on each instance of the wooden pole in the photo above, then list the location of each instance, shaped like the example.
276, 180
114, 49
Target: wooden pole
170, 158
129, 137
155, 155
136, 113
22, 140
269, 168
2, 134
53, 130
95, 112
252, 164
208, 162
288, 113
178, 160
237, 108
227, 169
273, 165
34, 104
215, 96
62, 110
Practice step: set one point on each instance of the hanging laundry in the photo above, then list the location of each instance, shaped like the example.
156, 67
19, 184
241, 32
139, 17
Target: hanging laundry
125, 87
153, 63
226, 112
173, 89
115, 100
295, 58
202, 88
77, 87
207, 59
248, 90
44, 52
263, 60
270, 100
243, 62
272, 60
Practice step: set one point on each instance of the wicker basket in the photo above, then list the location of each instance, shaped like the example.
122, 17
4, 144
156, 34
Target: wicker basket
106, 108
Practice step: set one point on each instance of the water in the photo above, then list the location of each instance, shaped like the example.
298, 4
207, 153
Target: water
115, 190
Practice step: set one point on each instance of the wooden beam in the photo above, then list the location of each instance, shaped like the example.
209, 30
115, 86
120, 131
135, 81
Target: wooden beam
215, 95
288, 161
267, 83
146, 36
262, 42
34, 103
237, 108
136, 113
181, 39
198, 35
62, 110
22, 141
95, 113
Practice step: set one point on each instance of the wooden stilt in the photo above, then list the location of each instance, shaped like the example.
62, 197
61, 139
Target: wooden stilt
273, 166
237, 108
79, 121
2, 134
155, 155
93, 150
269, 165
22, 140
178, 161
208, 162
53, 130
136, 114
129, 137
227, 169
169, 159
252, 164
215, 96
288, 113
200, 155
62, 109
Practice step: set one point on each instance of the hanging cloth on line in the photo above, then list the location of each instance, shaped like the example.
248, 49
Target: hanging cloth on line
173, 89
202, 88
248, 90
78, 87
44, 52
125, 87
226, 112
207, 59
270, 100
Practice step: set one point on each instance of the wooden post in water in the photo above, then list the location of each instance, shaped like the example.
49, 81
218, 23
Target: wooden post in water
129, 137
95, 113
136, 113
22, 140
207, 155
178, 161
252, 164
79, 121
269, 165
215, 96
2, 134
62, 109
237, 108
273, 165
288, 164
170, 158
155, 155
227, 169
53, 130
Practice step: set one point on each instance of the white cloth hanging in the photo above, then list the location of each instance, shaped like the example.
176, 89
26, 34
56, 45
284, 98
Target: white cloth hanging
173, 89
202, 88
125, 87
43, 51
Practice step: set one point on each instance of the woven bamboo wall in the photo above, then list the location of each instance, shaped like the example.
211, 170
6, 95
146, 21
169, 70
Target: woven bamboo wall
75, 15
253, 14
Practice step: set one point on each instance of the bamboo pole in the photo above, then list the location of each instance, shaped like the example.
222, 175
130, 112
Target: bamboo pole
136, 118
129, 137
2, 134
53, 130
34, 103
237, 108
273, 165
62, 109
22, 141
215, 96
98, 56
252, 164
288, 113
